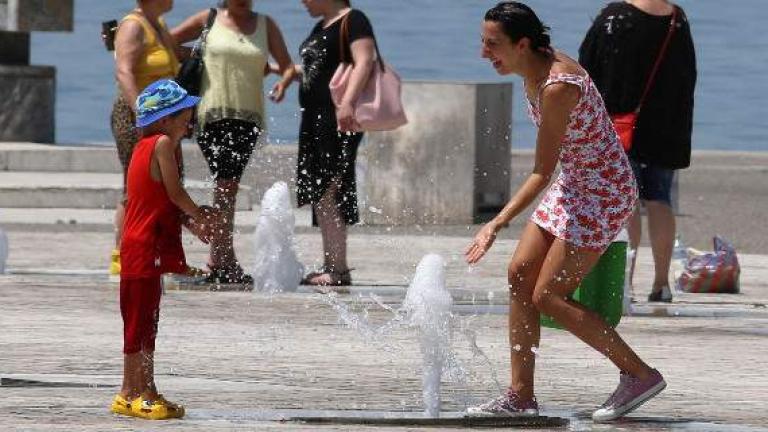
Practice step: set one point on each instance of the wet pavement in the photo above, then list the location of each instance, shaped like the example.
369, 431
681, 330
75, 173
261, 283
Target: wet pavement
254, 361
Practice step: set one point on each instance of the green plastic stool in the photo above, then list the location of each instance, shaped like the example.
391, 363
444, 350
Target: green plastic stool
602, 291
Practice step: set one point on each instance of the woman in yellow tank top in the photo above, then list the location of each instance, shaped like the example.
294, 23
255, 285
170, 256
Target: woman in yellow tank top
231, 113
144, 53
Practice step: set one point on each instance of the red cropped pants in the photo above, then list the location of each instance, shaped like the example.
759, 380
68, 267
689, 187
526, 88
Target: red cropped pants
140, 308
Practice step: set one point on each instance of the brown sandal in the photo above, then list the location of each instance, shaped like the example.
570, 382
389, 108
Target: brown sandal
306, 280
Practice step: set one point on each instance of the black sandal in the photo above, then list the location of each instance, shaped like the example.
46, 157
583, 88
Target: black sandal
339, 282
233, 274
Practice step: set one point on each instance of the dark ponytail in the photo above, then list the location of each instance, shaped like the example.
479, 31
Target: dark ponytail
519, 21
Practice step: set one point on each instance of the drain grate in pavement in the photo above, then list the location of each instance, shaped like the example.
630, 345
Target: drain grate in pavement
468, 422
15, 382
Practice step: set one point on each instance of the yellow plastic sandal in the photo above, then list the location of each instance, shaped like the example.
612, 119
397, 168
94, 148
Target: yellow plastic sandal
158, 409
122, 406
114, 263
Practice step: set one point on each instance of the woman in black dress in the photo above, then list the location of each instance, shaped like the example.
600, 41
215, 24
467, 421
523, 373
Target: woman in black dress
329, 135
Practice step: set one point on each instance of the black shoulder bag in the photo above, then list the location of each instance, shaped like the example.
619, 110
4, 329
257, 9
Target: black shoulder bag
191, 73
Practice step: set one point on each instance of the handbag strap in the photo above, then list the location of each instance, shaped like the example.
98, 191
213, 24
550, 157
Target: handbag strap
659, 59
344, 42
204, 35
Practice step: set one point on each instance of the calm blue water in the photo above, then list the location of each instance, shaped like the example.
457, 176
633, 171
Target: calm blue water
439, 40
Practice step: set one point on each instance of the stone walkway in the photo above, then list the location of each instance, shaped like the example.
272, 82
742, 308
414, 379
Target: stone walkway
237, 360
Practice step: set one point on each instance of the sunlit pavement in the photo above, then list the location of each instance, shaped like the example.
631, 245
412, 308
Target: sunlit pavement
244, 361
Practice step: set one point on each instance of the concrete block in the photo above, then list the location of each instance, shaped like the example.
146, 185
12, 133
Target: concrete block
450, 164
77, 190
63, 159
268, 165
27, 103
4, 14
14, 48
37, 15
93, 198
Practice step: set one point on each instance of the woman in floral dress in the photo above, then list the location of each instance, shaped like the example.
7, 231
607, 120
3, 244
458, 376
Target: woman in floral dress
583, 210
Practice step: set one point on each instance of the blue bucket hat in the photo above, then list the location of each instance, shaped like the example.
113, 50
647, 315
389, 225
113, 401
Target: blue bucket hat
160, 99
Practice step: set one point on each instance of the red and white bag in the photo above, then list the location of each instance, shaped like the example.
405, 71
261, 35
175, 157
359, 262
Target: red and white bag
711, 272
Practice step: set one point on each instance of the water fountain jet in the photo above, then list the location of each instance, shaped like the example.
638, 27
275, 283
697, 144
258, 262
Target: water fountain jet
428, 307
276, 266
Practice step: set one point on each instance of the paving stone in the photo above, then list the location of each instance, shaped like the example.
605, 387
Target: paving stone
227, 355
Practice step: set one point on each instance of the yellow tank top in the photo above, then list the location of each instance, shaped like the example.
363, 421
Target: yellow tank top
158, 60
233, 77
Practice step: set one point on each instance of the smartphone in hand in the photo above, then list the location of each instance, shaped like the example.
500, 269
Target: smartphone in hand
108, 31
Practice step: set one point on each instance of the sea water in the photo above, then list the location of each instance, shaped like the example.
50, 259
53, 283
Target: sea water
436, 40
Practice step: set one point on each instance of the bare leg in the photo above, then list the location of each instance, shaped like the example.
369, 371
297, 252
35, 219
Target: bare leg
222, 253
635, 228
119, 219
333, 229
661, 230
133, 375
119, 222
561, 273
524, 329
149, 390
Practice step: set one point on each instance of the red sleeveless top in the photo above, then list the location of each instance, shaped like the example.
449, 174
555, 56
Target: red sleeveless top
151, 243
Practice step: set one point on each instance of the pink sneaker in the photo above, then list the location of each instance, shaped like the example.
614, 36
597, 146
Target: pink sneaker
508, 404
629, 395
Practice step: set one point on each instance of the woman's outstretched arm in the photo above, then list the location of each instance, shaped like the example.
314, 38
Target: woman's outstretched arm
557, 102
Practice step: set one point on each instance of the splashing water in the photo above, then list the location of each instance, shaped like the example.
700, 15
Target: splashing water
428, 307
375, 336
276, 266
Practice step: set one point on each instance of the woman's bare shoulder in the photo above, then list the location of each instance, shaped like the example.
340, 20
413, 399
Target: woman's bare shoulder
565, 65
130, 30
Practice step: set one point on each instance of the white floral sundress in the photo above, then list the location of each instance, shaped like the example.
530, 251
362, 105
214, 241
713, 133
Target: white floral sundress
595, 193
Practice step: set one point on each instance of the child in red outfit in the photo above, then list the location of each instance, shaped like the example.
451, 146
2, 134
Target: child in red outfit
157, 205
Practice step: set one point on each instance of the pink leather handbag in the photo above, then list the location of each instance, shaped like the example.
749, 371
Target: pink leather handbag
379, 106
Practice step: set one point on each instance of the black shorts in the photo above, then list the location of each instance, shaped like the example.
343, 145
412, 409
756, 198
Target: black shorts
227, 146
654, 182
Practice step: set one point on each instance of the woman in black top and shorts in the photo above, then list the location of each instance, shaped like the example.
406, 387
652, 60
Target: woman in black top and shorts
619, 52
329, 137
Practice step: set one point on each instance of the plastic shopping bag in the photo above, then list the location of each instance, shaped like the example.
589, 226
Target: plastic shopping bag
711, 272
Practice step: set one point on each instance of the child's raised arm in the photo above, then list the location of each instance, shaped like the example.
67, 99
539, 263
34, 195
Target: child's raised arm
203, 217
